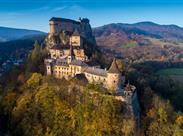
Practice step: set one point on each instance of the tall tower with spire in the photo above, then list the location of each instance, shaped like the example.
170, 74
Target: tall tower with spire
75, 39
114, 77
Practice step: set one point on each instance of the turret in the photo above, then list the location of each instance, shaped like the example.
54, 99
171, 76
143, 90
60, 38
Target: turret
114, 77
129, 92
84, 20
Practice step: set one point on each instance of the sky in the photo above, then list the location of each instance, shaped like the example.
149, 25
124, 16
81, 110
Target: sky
35, 14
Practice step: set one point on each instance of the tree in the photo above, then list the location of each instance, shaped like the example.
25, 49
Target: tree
34, 81
34, 59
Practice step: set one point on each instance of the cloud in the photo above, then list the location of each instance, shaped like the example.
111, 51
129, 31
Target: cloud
14, 14
7, 21
56, 9
68, 8
41, 8
75, 7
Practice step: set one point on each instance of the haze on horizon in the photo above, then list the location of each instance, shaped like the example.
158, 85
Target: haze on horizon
33, 14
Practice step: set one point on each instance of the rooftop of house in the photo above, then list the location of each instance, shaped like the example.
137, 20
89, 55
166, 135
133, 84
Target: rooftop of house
96, 71
113, 68
78, 63
76, 33
62, 62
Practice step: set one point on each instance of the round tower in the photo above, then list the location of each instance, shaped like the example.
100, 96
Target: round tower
114, 78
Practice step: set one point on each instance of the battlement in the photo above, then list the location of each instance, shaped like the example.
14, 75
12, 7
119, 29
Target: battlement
59, 20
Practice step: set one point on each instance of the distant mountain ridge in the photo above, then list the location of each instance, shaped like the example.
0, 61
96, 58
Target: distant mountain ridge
9, 34
115, 34
165, 31
146, 28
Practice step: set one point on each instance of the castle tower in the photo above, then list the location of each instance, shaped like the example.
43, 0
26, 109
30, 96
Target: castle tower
48, 67
128, 91
53, 25
114, 78
76, 39
70, 55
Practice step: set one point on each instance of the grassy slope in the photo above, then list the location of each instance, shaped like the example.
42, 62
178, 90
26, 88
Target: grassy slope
160, 42
171, 71
174, 73
129, 45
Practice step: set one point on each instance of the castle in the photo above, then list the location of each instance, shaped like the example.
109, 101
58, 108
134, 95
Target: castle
67, 57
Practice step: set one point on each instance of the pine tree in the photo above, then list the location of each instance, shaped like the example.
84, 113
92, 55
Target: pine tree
34, 59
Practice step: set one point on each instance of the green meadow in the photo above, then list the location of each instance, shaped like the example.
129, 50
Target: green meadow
129, 45
171, 71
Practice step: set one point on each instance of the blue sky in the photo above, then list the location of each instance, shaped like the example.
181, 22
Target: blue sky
34, 14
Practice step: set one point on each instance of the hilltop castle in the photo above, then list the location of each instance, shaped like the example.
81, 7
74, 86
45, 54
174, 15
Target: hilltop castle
67, 57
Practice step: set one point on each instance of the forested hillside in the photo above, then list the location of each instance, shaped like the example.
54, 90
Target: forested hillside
141, 41
160, 99
45, 106
34, 104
